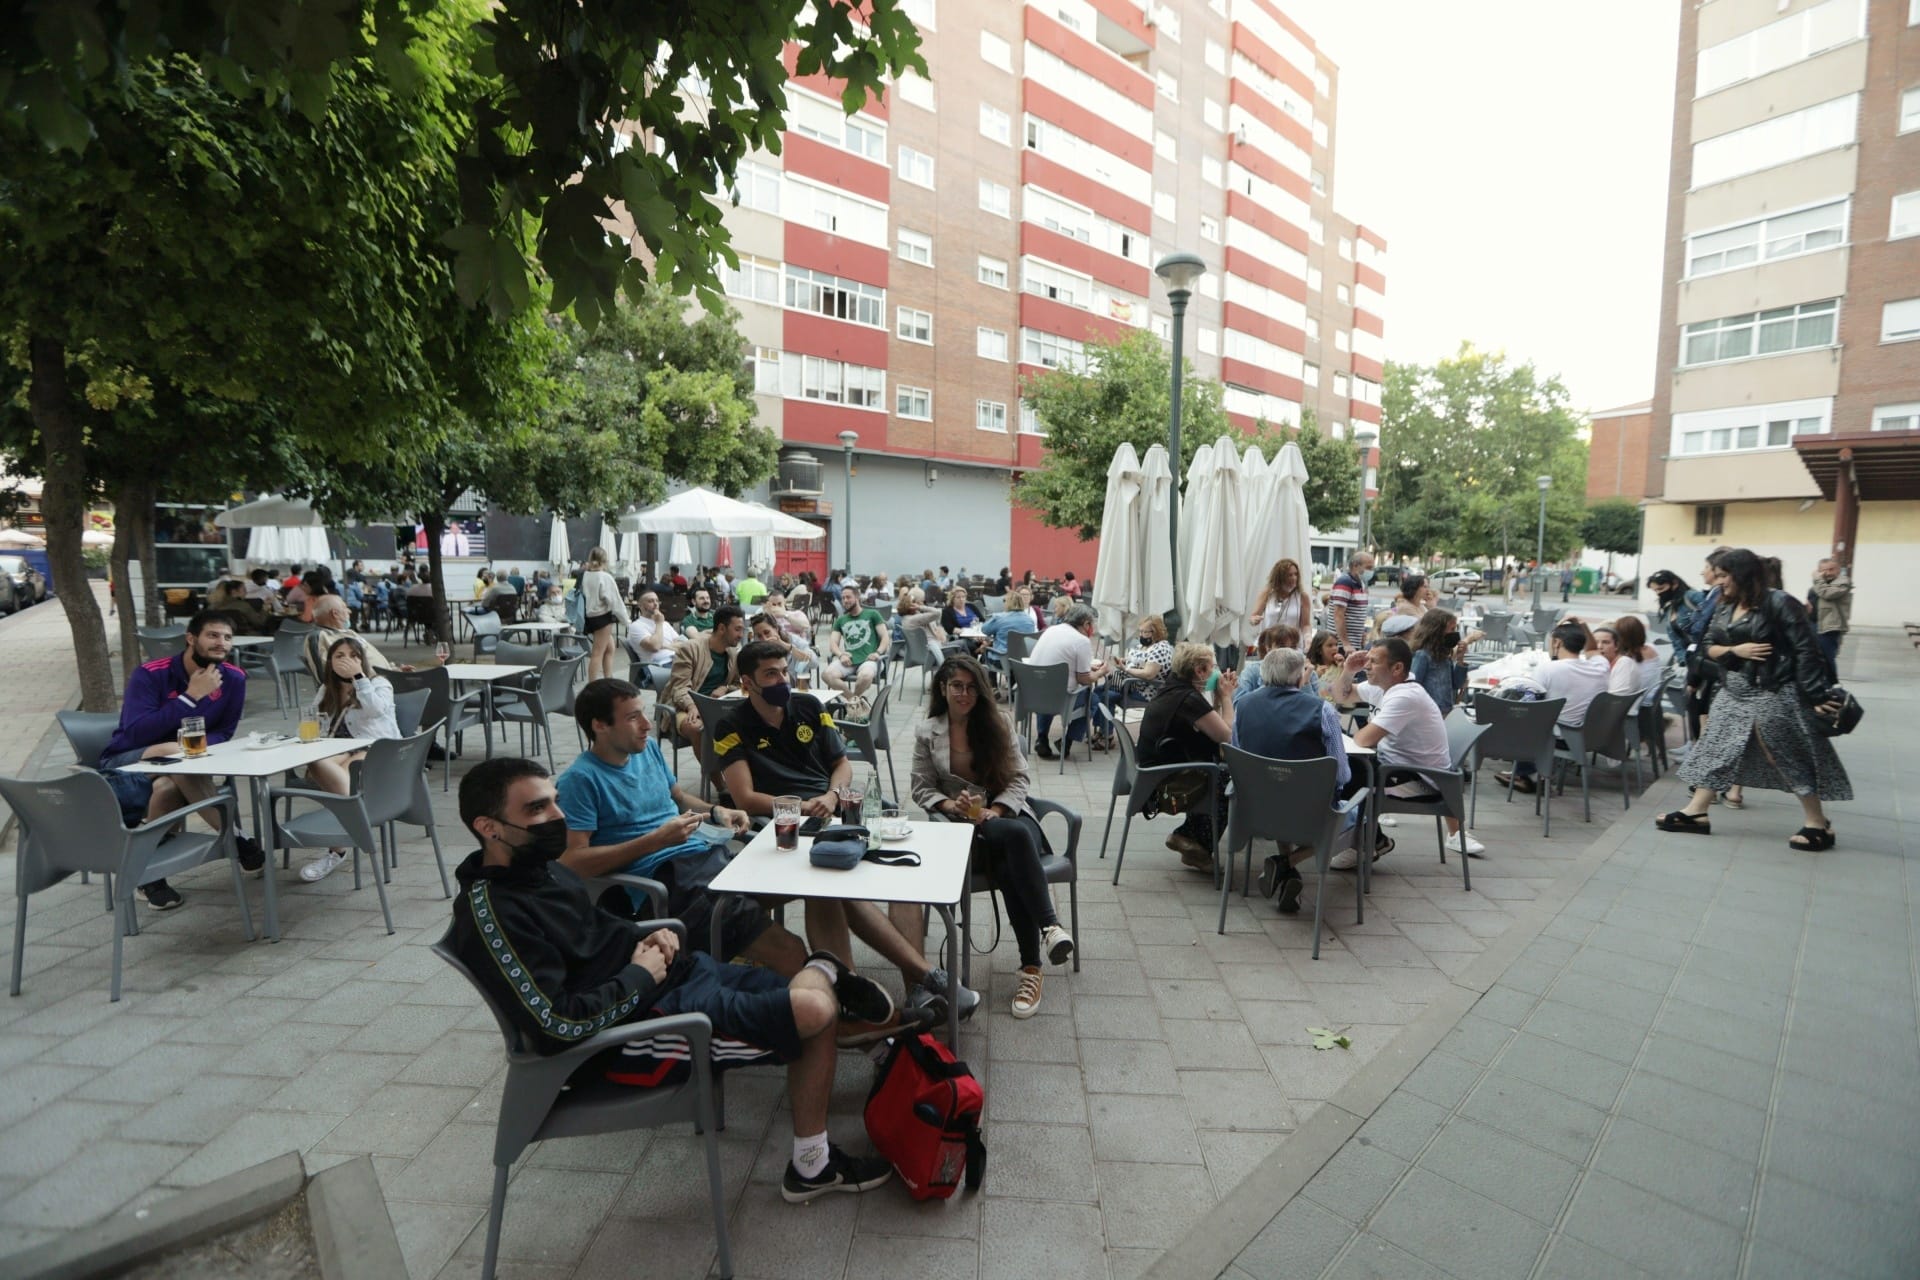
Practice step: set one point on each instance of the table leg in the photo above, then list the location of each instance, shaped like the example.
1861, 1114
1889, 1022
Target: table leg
953, 975
720, 901
262, 816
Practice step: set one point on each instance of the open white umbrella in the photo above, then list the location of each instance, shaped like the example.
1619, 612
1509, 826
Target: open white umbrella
704, 511
271, 511
96, 538
1210, 544
1122, 525
558, 553
21, 538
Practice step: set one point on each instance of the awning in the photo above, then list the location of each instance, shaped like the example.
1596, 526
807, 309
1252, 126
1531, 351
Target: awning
1886, 464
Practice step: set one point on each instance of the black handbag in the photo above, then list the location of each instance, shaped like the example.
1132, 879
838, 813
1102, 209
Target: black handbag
1843, 721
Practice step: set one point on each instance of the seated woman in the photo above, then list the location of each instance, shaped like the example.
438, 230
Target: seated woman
967, 767
1633, 665
1325, 654
1151, 657
1439, 657
959, 616
791, 621
1278, 636
910, 613
1184, 725
351, 703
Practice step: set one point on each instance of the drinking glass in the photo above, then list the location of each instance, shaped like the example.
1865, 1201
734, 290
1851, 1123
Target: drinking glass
786, 822
309, 728
892, 822
441, 652
973, 802
851, 797
193, 736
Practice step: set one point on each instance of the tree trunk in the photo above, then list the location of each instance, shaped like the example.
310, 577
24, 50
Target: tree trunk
435, 523
133, 542
63, 501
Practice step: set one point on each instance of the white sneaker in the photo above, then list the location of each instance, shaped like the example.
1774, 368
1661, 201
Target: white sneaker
1345, 860
1472, 846
1056, 944
322, 866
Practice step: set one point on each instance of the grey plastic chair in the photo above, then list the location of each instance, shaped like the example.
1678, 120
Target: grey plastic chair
1138, 782
1056, 868
1517, 731
408, 707
486, 632
152, 647
509, 654
1289, 802
530, 707
454, 716
1019, 645
382, 791
1450, 787
537, 1105
72, 823
711, 710
1044, 690
870, 739
922, 654
1603, 732
1647, 730
88, 733
285, 662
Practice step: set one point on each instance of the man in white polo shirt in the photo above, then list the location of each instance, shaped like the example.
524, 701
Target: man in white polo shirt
1405, 727
1574, 674
1068, 643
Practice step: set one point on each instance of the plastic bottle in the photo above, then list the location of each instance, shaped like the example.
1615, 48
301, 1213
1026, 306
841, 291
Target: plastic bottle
870, 811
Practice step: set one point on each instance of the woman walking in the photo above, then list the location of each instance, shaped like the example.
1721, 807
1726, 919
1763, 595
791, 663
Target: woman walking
604, 608
1762, 733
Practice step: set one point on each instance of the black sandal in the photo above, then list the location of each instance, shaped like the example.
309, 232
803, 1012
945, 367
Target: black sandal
1817, 839
1682, 821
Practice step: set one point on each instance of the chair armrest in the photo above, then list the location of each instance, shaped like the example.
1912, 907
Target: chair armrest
300, 793
223, 800
1353, 801
655, 891
646, 927
696, 1027
1042, 808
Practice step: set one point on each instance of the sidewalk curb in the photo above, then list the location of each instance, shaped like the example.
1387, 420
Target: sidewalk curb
1212, 1245
352, 1231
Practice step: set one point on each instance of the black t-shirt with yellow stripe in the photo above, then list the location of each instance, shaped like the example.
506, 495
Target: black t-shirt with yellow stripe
798, 758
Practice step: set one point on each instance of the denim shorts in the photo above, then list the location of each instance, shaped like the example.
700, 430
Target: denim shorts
132, 790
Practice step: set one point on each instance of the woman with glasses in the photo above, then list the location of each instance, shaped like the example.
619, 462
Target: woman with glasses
968, 768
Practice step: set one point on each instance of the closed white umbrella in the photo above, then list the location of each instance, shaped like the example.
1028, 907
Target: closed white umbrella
270, 511
1211, 552
681, 551
760, 553
1122, 525
1256, 504
1292, 537
630, 553
1153, 572
264, 547
609, 543
558, 552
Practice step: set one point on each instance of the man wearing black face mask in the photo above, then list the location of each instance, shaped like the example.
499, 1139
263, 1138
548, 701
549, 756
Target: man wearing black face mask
564, 971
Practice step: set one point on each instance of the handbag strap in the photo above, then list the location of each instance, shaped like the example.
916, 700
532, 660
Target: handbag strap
897, 858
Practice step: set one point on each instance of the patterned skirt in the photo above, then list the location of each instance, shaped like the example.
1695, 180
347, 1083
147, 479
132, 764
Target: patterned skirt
1764, 738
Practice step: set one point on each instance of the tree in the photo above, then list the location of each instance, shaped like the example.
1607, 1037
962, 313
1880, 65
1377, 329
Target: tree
1612, 526
1463, 442
559, 85
1333, 473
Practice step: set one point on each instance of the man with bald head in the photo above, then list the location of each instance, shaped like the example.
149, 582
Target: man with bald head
331, 620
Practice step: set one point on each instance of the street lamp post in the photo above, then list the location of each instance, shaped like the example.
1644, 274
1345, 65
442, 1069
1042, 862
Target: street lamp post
1540, 541
1177, 271
848, 439
1365, 438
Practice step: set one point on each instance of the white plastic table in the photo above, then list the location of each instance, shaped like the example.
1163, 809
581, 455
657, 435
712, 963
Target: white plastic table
762, 870
235, 759
486, 673
250, 642
545, 630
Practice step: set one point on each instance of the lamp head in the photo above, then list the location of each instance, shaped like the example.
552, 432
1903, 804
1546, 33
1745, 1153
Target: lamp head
1178, 271
1545, 483
848, 439
1365, 438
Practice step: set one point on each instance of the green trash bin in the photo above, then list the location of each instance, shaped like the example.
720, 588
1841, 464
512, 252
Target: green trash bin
1586, 581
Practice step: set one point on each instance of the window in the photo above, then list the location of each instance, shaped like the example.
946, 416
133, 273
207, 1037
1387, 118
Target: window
1165, 206
1207, 340
1316, 231
1811, 324
1209, 285
1910, 110
1313, 329
990, 415
755, 186
1321, 134
1085, 89
995, 51
832, 381
1213, 114
920, 11
1166, 18
1906, 212
1314, 279
839, 299
1709, 520
1319, 181
1748, 427
1083, 157
766, 370
1029, 420
1209, 228
1778, 44
1163, 145
916, 90
1168, 84
995, 198
990, 344
915, 247
1216, 57
1346, 247
756, 280
913, 325
1051, 351
1343, 295
913, 402
916, 167
1341, 342
1900, 321
1045, 280
1210, 171
825, 121
1776, 141
1340, 385
1897, 417
993, 271
835, 212
1312, 375
1783, 235
1162, 327
996, 124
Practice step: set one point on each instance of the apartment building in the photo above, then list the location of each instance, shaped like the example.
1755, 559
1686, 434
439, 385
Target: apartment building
1617, 452
903, 270
1786, 410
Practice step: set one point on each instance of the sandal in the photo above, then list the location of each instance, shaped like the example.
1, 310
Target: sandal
1734, 802
1815, 838
1682, 821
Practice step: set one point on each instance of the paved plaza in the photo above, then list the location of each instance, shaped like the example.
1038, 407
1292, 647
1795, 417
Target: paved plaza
1602, 1083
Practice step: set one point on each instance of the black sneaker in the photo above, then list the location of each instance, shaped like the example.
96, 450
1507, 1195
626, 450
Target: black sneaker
842, 1173
161, 896
861, 998
1270, 874
253, 859
1288, 900
913, 1021
934, 987
1044, 750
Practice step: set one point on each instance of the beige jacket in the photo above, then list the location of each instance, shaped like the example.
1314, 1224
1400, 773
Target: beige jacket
692, 663
934, 779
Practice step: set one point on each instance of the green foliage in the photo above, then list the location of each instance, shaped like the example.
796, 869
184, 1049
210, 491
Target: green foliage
1462, 443
1612, 526
1333, 472
544, 118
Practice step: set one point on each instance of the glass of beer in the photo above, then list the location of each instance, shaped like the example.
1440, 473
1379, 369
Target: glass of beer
972, 801
309, 728
803, 677
193, 736
786, 823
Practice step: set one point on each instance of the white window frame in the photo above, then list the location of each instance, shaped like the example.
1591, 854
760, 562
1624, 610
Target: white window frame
1764, 238
837, 382
766, 370
1341, 385
1030, 420
1708, 432
990, 344
914, 246
911, 324
911, 166
1770, 143
1884, 413
1168, 85
916, 90
990, 415
996, 124
1900, 320
995, 51
921, 12
1910, 110
1209, 228
906, 398
835, 297
1216, 56
986, 268
1213, 115
1166, 206
1206, 340
996, 198
1781, 43
1311, 374
757, 280
1343, 295
1051, 350
757, 186
1752, 323
1911, 200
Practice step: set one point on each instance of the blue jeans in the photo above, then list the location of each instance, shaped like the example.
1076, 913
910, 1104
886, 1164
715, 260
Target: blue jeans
1077, 729
1830, 645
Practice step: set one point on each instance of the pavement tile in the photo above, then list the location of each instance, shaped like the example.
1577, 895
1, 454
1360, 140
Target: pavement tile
1301, 1240
1709, 1069
1235, 1100
1140, 1128
1442, 1078
1233, 1154
1818, 1155
1040, 1092
876, 1257
551, 1216
1476, 1039
1355, 1181
1570, 1259
1180, 999
250, 1139
1866, 1236
1535, 1114
97, 1181
1309, 1073
429, 1233
1513, 1173
1596, 1033
1755, 1041
1650, 1232
1280, 1021
1696, 1177
397, 1120
1713, 1121
1591, 1079
1122, 1067
1040, 1162
1371, 1258
1457, 1230
1216, 1045
1150, 1206
1036, 1240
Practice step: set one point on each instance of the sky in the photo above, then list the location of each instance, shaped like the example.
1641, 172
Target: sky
1514, 154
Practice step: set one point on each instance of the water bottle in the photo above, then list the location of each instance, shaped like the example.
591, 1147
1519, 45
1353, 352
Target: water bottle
870, 811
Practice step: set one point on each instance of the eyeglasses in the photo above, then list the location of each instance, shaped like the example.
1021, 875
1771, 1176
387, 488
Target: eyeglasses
962, 686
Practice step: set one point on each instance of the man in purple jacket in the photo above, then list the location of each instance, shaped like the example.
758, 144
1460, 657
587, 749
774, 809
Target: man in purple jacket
198, 681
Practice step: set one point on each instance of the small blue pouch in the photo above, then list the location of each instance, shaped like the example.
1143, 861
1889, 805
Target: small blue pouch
838, 855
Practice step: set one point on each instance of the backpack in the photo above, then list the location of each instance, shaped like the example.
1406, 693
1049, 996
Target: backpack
577, 608
923, 1115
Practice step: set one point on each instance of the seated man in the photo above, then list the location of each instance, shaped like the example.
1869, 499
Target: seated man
777, 742
700, 617
652, 637
858, 647
1072, 644
1283, 719
1575, 675
330, 623
702, 664
1406, 727
199, 681
581, 970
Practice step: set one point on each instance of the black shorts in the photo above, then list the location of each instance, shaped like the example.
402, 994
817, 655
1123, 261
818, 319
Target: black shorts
686, 879
598, 621
752, 1016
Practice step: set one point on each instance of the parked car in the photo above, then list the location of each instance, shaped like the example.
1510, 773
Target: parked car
25, 585
1449, 580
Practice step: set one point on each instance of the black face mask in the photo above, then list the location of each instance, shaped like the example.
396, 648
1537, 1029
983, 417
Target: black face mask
548, 843
1451, 640
776, 695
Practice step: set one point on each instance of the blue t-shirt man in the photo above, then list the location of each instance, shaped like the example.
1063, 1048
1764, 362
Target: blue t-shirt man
619, 804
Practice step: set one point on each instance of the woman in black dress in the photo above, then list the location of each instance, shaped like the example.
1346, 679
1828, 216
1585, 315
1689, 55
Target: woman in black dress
1187, 721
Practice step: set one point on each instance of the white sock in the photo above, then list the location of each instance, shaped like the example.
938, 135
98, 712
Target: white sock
824, 966
810, 1154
